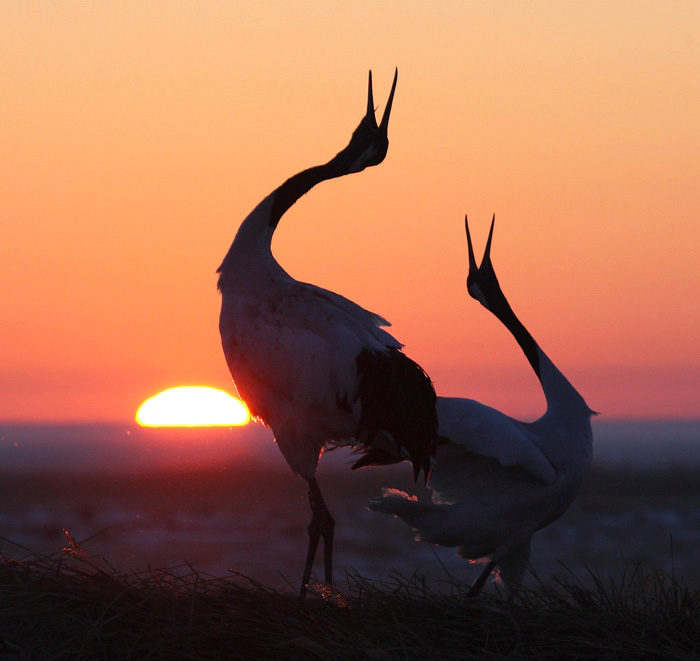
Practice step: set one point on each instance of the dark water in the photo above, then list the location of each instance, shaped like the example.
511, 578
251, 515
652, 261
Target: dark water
224, 499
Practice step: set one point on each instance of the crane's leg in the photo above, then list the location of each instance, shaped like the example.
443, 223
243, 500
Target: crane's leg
481, 581
322, 525
513, 567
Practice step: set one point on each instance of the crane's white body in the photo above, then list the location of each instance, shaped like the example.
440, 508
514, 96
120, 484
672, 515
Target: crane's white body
496, 480
292, 348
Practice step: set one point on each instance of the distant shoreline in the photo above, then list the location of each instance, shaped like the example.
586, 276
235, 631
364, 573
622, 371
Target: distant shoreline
631, 444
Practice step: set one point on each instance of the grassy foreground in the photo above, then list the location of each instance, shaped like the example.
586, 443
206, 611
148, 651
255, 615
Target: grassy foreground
70, 606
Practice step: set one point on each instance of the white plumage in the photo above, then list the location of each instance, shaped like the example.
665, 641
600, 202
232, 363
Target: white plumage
497, 480
314, 366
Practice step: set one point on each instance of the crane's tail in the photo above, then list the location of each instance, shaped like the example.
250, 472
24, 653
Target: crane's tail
430, 521
397, 397
399, 503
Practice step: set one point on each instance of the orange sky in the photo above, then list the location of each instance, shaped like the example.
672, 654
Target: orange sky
136, 137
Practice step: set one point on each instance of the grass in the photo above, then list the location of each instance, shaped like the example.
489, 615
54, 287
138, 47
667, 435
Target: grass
70, 605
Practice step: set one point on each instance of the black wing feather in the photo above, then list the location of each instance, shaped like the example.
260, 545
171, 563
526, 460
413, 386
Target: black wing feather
396, 396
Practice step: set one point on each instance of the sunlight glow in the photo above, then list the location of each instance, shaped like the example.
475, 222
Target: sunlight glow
192, 406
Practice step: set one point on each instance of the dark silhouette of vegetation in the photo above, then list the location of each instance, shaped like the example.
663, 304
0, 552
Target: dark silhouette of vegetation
72, 606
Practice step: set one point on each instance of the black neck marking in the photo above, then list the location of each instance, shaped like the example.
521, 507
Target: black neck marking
499, 306
300, 184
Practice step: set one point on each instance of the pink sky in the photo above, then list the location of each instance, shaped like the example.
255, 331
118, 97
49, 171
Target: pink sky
137, 136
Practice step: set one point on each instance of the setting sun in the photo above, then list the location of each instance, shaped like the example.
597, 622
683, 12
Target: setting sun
192, 406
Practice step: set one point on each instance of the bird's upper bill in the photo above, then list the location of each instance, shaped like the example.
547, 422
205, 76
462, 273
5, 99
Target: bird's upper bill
370, 142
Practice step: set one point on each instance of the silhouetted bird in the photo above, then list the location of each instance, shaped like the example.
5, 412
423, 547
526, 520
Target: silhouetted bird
314, 366
496, 480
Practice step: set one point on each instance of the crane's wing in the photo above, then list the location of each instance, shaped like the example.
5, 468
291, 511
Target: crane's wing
297, 344
355, 313
472, 428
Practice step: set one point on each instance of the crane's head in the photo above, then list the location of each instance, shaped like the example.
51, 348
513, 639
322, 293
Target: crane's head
482, 283
370, 142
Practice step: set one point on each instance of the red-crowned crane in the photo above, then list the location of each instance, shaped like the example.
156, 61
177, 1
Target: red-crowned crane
315, 367
496, 480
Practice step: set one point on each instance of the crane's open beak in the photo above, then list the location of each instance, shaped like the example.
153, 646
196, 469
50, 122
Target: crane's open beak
384, 124
481, 279
486, 260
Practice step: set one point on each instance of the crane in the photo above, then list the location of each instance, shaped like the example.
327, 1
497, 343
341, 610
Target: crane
496, 480
315, 367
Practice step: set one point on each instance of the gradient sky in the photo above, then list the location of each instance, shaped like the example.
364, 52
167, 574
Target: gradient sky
137, 135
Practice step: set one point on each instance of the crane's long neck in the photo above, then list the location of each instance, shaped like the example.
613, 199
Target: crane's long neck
300, 184
254, 236
498, 305
558, 391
